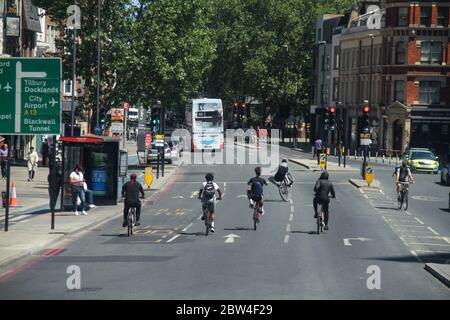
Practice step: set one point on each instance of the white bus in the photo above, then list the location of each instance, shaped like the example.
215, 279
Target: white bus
204, 119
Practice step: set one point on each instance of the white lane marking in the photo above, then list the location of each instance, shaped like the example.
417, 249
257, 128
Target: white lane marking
407, 225
415, 255
286, 238
360, 190
173, 238
290, 201
410, 231
200, 216
190, 225
407, 213
17, 218
366, 196
430, 244
292, 208
288, 228
418, 220
291, 217
403, 239
382, 192
446, 240
429, 228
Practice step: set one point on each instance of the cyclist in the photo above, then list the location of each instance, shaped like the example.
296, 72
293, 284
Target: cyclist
256, 192
130, 191
322, 190
207, 195
282, 171
402, 176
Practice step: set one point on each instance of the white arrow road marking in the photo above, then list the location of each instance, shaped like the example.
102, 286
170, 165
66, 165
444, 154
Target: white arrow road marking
178, 197
230, 238
242, 196
347, 240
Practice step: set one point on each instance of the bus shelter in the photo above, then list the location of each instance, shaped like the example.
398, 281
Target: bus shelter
103, 163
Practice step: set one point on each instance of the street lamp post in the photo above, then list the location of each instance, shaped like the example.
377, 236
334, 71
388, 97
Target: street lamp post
285, 46
370, 91
98, 61
72, 103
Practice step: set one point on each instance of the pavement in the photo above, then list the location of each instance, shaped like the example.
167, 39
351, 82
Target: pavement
29, 225
312, 165
372, 251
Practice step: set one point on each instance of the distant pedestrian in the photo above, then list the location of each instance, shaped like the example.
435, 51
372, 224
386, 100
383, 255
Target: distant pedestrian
33, 159
318, 149
44, 152
3, 158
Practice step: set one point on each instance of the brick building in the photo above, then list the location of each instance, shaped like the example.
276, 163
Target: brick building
416, 74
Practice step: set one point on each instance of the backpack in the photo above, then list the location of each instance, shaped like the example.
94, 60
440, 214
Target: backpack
257, 188
209, 191
281, 174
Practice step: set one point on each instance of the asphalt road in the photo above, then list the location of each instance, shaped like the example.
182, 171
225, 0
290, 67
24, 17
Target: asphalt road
171, 258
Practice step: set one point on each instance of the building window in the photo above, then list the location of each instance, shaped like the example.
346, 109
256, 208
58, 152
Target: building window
400, 53
68, 87
429, 92
442, 17
335, 89
431, 52
399, 93
336, 58
425, 16
402, 17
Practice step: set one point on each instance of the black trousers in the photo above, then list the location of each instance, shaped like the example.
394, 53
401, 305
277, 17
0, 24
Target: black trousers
3, 164
325, 206
127, 207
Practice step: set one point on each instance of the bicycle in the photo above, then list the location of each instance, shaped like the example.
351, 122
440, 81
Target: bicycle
319, 219
131, 218
403, 197
207, 214
257, 210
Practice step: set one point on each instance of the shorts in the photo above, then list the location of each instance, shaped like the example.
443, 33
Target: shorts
256, 198
210, 205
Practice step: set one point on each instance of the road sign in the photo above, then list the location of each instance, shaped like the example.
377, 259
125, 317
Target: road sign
159, 136
30, 96
148, 139
117, 114
148, 176
116, 127
126, 105
369, 174
323, 160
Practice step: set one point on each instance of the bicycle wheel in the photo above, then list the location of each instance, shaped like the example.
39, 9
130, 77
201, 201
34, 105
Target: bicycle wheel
400, 200
405, 201
319, 209
284, 192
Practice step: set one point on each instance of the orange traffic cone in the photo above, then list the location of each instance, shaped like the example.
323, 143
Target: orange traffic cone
13, 197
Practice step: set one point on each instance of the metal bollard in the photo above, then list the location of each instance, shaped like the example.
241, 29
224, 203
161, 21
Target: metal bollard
376, 157
390, 158
355, 153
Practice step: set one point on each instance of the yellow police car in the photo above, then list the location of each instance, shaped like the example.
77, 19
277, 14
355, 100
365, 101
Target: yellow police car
422, 160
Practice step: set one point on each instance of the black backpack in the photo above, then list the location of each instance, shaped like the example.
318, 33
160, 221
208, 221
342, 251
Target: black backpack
209, 191
257, 188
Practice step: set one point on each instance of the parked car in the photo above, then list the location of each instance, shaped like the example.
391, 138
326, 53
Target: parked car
153, 153
422, 160
445, 174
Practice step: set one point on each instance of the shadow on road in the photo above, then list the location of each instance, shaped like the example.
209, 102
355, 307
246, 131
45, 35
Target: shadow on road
238, 229
387, 208
444, 209
304, 232
273, 200
433, 258
118, 235
192, 233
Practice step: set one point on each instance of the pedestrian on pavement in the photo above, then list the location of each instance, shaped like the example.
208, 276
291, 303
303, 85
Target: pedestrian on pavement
53, 186
44, 152
33, 159
77, 182
89, 195
318, 149
3, 158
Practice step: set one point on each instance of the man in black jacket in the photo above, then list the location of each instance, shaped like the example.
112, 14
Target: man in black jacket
322, 189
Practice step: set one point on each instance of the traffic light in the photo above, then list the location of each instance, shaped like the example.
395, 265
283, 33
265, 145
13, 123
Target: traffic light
333, 123
366, 119
155, 120
326, 120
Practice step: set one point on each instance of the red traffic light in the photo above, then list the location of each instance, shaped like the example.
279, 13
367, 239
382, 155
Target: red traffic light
332, 109
366, 108
236, 104
243, 106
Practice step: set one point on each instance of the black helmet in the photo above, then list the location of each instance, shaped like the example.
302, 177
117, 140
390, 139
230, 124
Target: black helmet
284, 160
324, 176
209, 177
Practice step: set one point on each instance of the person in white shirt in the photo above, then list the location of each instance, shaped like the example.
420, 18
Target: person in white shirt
77, 183
207, 195
33, 159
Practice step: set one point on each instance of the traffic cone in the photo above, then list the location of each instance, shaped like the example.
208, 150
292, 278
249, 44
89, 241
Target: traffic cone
13, 197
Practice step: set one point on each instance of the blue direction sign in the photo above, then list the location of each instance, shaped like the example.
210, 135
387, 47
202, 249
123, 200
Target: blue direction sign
30, 95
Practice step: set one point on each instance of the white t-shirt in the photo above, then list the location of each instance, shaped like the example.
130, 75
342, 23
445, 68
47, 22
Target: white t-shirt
216, 187
77, 176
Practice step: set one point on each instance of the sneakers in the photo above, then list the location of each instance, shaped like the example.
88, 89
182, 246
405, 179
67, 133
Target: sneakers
212, 229
76, 213
84, 213
92, 206
326, 228
261, 211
